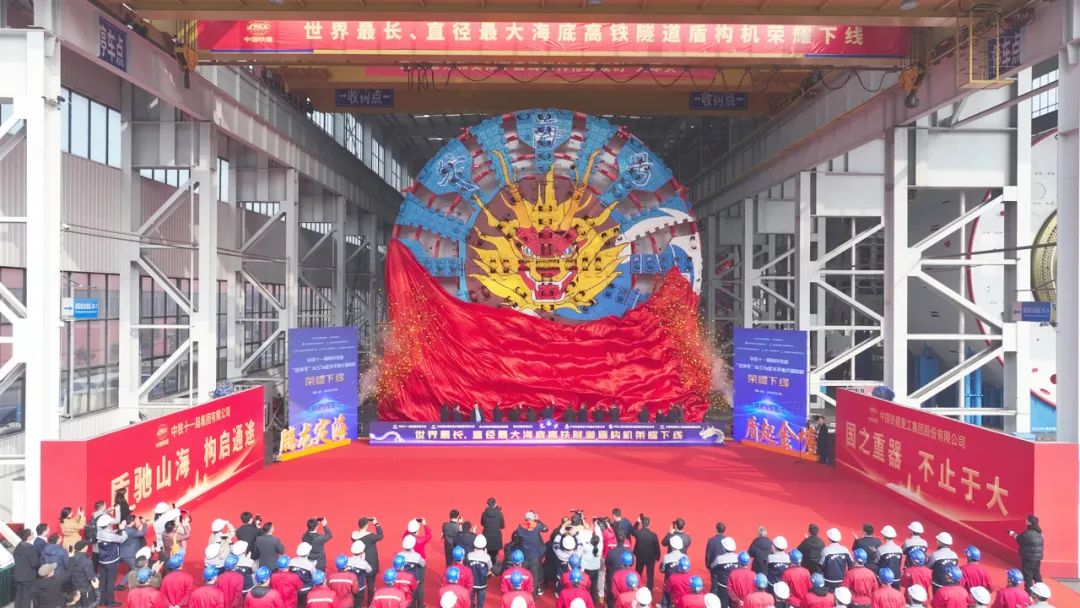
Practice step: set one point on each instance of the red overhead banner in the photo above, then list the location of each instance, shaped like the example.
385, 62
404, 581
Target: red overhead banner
545, 39
978, 478
172, 459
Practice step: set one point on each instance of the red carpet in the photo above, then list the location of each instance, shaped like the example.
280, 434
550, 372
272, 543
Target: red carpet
743, 487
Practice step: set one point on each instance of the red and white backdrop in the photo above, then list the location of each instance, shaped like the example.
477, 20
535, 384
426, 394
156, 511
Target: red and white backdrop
969, 476
177, 458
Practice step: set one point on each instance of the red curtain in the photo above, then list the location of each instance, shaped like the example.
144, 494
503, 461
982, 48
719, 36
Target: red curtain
442, 350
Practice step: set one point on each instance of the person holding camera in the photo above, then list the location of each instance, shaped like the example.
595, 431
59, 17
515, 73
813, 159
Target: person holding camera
250, 528
677, 529
529, 537
317, 541
646, 550
492, 523
371, 549
450, 530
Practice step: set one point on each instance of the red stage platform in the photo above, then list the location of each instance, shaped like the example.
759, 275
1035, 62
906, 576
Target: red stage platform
741, 486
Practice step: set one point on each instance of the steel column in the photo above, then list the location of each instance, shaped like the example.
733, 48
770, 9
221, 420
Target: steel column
898, 262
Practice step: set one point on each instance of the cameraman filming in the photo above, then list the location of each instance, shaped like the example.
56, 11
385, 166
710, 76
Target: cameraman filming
317, 541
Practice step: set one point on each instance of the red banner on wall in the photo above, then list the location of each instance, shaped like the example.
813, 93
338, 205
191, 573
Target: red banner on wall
981, 479
468, 38
173, 459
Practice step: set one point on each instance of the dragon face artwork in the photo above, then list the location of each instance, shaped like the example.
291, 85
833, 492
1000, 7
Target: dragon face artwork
550, 253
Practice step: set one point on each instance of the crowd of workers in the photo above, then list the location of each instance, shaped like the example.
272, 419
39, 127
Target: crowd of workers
609, 561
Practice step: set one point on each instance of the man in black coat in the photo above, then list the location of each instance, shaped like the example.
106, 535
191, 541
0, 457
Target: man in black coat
615, 413
868, 543
824, 441
450, 530
27, 562
810, 548
268, 547
49, 587
714, 546
492, 524
250, 528
646, 550
643, 414
371, 551
317, 541
83, 576
677, 529
496, 416
1030, 544
760, 548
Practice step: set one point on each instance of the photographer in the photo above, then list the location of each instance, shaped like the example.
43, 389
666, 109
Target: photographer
250, 528
492, 524
592, 560
317, 541
677, 529
529, 538
371, 550
646, 550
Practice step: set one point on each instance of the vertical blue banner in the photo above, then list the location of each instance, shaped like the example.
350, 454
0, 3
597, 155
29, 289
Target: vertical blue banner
771, 388
323, 390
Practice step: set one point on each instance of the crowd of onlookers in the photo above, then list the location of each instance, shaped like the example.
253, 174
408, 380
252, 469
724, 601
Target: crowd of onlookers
585, 561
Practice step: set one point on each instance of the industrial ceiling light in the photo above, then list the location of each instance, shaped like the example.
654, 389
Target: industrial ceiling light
909, 5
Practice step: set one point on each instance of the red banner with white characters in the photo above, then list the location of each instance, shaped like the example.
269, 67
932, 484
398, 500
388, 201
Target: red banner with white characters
979, 478
553, 40
173, 459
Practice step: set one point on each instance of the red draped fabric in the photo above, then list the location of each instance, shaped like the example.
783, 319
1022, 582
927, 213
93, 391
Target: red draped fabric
442, 350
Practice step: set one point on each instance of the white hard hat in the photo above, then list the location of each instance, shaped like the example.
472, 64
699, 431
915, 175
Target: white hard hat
676, 543
144, 552
569, 543
643, 596
916, 528
448, 600
981, 595
917, 593
781, 590
944, 538
357, 547
1041, 591
239, 548
160, 508
480, 542
105, 520
170, 515
728, 544
356, 535
833, 534
712, 601
530, 516
413, 527
212, 552
408, 543
218, 525
577, 603
842, 595
780, 543
303, 550
888, 532
519, 602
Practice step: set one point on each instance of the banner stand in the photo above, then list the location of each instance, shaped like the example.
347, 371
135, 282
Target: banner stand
771, 390
323, 390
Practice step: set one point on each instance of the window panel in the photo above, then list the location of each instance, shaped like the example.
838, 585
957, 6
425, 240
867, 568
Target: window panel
65, 121
80, 125
114, 138
99, 131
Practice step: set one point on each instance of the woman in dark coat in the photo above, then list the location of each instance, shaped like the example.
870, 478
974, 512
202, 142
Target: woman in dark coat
492, 524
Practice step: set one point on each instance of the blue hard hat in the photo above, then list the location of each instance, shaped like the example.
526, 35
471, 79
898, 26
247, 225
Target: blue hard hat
684, 564
283, 562
696, 584
143, 576
744, 559
341, 561
399, 562
632, 580
917, 557
517, 557
262, 574
390, 576
973, 553
817, 581
796, 556
860, 555
575, 560
1015, 576
761, 581
459, 554
516, 579
575, 576
627, 559
887, 576
954, 574
232, 562
318, 577
176, 561
453, 575
209, 573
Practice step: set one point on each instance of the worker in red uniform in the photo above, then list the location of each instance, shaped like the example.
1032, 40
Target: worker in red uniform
517, 561
696, 597
819, 596
952, 594
209, 595
390, 596
231, 583
262, 596
405, 579
740, 582
286, 582
1013, 596
678, 583
465, 573
516, 597
860, 579
574, 563
321, 595
452, 586
177, 584
917, 573
145, 595
797, 579
628, 598
760, 597
618, 579
345, 583
886, 596
418, 528
575, 590
975, 574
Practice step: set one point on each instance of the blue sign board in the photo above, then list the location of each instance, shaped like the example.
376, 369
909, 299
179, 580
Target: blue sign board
719, 100
323, 390
544, 432
84, 308
112, 44
771, 388
1033, 312
364, 98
